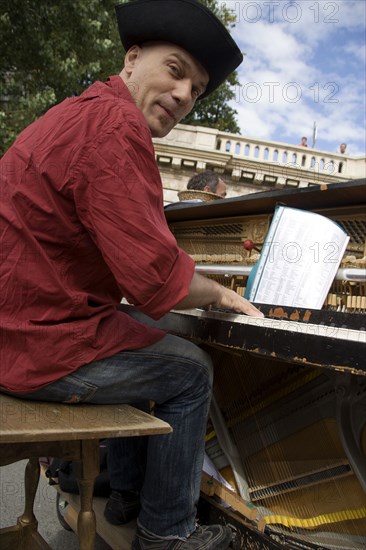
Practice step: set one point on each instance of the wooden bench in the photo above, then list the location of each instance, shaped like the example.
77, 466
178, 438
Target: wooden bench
31, 429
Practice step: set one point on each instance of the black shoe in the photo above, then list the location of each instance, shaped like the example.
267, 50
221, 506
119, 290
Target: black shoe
207, 537
122, 507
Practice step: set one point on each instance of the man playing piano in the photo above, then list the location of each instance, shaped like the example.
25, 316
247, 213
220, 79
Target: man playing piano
82, 225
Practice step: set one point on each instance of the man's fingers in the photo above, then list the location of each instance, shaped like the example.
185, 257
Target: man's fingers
240, 304
252, 310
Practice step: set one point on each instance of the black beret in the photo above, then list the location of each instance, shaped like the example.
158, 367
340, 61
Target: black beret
186, 23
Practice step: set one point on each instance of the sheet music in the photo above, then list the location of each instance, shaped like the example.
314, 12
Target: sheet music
299, 260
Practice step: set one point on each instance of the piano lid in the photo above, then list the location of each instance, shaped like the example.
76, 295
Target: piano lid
351, 193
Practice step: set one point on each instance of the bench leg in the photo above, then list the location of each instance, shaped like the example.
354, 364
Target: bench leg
24, 535
86, 471
31, 480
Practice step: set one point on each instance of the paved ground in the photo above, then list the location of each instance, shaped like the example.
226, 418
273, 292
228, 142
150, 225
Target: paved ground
12, 503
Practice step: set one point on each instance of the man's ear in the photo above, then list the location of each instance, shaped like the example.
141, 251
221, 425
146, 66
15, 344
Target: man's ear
131, 58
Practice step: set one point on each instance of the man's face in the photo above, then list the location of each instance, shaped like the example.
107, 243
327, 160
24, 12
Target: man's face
165, 82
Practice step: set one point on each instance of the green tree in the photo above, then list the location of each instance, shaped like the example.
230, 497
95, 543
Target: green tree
53, 50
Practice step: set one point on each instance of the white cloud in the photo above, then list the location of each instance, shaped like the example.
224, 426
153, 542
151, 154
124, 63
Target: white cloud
304, 63
357, 50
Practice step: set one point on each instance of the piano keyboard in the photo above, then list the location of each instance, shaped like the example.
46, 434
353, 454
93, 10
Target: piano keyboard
283, 325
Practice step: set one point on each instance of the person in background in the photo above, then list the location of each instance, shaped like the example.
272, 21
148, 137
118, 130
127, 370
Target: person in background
82, 226
208, 181
342, 148
303, 143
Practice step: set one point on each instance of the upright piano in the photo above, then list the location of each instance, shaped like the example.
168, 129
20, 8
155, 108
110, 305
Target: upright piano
287, 426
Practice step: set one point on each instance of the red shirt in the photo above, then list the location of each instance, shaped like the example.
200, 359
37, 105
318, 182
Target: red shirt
81, 226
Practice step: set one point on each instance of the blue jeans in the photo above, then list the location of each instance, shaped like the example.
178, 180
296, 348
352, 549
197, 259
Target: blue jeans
164, 469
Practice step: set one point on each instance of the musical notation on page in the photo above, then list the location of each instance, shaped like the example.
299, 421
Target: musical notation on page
299, 260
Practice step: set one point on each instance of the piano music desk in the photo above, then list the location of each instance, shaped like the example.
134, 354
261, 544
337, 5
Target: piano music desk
30, 429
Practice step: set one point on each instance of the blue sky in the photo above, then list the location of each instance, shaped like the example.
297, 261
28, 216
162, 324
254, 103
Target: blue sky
304, 63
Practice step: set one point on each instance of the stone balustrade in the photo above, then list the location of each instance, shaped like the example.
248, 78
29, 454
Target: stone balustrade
292, 156
248, 164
